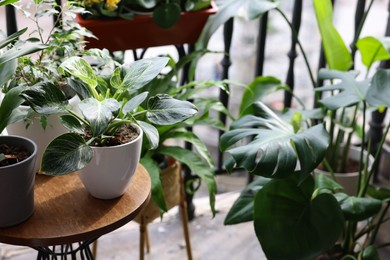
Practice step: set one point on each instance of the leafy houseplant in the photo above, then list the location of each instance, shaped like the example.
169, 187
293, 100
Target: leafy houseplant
108, 103
298, 214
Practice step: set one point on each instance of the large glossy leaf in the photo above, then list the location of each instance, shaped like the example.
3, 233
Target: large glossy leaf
274, 149
99, 113
242, 209
141, 72
290, 224
15, 53
65, 154
358, 209
337, 54
72, 123
380, 193
373, 49
165, 110
379, 91
79, 68
10, 102
197, 166
370, 253
46, 99
257, 89
324, 183
227, 9
7, 70
157, 189
351, 90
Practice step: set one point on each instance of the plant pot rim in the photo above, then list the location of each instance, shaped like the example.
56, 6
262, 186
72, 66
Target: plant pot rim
140, 133
32, 155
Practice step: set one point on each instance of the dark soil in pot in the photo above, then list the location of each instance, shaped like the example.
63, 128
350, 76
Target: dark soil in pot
123, 135
13, 154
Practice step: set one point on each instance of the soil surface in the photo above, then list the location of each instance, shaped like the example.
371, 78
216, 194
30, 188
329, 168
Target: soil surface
13, 154
125, 134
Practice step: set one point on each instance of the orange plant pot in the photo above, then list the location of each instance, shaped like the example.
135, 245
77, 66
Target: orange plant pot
142, 32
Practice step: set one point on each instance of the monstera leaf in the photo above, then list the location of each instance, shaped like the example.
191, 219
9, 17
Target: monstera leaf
350, 90
275, 150
379, 91
291, 224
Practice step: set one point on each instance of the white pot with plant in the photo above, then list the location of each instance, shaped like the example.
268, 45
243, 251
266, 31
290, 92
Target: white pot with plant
108, 106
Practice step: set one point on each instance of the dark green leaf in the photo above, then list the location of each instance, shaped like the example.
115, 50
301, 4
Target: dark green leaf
380, 193
10, 102
80, 88
290, 224
21, 51
12, 37
370, 253
358, 209
196, 165
7, 70
167, 14
157, 189
323, 182
165, 110
242, 209
65, 154
72, 124
46, 99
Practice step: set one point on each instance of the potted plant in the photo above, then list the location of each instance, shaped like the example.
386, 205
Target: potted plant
171, 22
61, 42
108, 104
298, 214
17, 154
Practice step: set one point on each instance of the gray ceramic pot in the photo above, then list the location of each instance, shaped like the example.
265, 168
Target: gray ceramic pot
17, 184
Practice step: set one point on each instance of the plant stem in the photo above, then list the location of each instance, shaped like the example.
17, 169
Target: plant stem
375, 232
360, 193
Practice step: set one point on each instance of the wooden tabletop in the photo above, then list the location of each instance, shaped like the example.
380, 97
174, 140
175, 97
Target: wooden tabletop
65, 212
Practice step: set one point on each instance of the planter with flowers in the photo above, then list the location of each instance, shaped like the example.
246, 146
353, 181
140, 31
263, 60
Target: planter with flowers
120, 26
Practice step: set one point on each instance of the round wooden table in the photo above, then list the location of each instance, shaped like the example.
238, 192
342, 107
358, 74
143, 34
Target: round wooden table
65, 214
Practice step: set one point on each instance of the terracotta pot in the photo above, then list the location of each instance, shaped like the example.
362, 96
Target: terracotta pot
17, 184
142, 32
109, 173
349, 180
171, 183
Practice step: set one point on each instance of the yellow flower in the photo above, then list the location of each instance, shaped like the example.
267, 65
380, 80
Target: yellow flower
111, 5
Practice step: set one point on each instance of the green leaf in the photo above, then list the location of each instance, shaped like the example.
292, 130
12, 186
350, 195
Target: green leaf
116, 79
380, 193
133, 103
351, 90
197, 166
15, 53
141, 72
257, 89
379, 91
274, 149
227, 9
72, 124
151, 134
12, 38
147, 3
192, 138
373, 49
323, 182
7, 2
79, 68
370, 253
290, 224
242, 209
65, 154
99, 113
157, 189
46, 99
337, 54
167, 14
11, 101
356, 208
165, 110
7, 70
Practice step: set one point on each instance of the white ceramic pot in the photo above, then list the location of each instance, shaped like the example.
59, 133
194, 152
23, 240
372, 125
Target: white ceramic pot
17, 184
42, 137
349, 180
109, 173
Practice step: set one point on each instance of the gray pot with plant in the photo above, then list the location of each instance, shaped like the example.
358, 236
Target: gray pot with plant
17, 175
